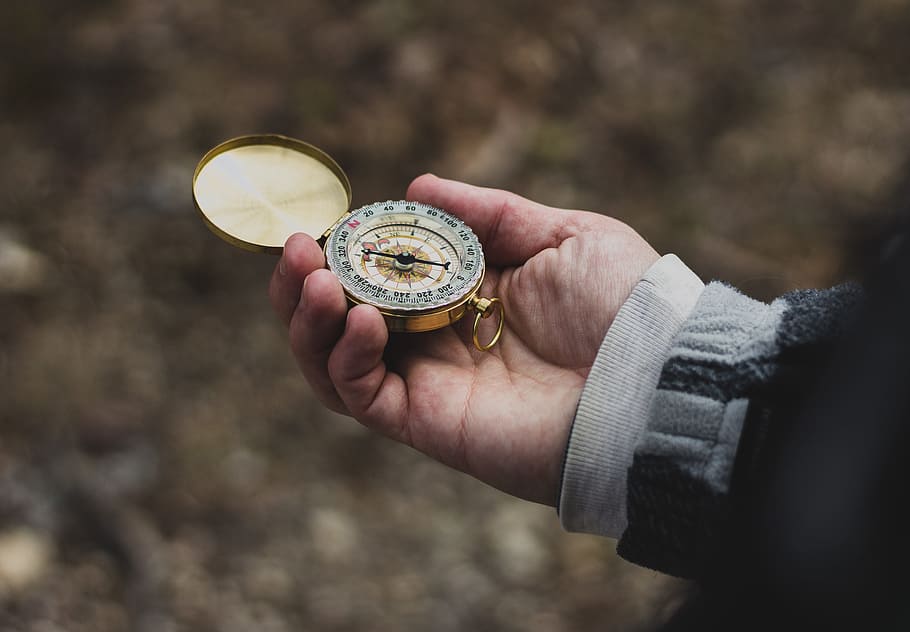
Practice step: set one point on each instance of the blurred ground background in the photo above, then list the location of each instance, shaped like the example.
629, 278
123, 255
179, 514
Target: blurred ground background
162, 466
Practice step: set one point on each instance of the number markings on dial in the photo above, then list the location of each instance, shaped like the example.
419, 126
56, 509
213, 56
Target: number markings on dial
406, 256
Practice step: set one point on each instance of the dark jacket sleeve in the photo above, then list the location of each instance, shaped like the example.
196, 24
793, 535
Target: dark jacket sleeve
733, 367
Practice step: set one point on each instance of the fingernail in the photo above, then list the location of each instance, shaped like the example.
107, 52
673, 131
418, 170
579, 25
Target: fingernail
282, 267
303, 288
297, 301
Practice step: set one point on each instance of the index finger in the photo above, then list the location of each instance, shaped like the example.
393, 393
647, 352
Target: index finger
511, 228
301, 256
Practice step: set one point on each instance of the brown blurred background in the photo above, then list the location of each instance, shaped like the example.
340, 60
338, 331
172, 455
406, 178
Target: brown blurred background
162, 465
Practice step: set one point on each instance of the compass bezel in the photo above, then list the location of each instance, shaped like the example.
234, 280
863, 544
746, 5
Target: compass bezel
423, 310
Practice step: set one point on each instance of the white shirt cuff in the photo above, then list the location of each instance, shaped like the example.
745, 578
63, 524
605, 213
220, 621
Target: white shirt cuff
613, 409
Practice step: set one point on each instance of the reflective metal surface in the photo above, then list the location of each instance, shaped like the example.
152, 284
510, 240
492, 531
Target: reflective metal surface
256, 191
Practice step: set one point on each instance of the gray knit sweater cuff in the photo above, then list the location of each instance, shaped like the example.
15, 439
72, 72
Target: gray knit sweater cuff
617, 396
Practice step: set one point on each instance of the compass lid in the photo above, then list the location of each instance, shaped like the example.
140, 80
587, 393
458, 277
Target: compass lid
256, 191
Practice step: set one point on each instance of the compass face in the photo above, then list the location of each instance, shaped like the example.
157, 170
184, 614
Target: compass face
405, 256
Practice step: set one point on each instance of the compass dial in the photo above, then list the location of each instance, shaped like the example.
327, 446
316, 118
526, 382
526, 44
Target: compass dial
405, 256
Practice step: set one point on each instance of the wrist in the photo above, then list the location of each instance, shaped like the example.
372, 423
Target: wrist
612, 411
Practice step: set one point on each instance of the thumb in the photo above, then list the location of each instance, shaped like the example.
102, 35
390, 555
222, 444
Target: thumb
511, 228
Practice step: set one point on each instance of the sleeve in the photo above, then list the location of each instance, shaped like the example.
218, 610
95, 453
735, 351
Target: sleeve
613, 410
657, 432
733, 366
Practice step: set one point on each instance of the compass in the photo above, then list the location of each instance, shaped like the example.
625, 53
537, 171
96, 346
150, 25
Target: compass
419, 265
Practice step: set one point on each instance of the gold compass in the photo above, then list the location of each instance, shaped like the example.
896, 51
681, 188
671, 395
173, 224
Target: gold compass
421, 266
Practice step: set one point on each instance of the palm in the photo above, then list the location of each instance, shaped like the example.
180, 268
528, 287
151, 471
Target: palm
463, 404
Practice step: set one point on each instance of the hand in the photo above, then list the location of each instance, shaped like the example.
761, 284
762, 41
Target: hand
502, 416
